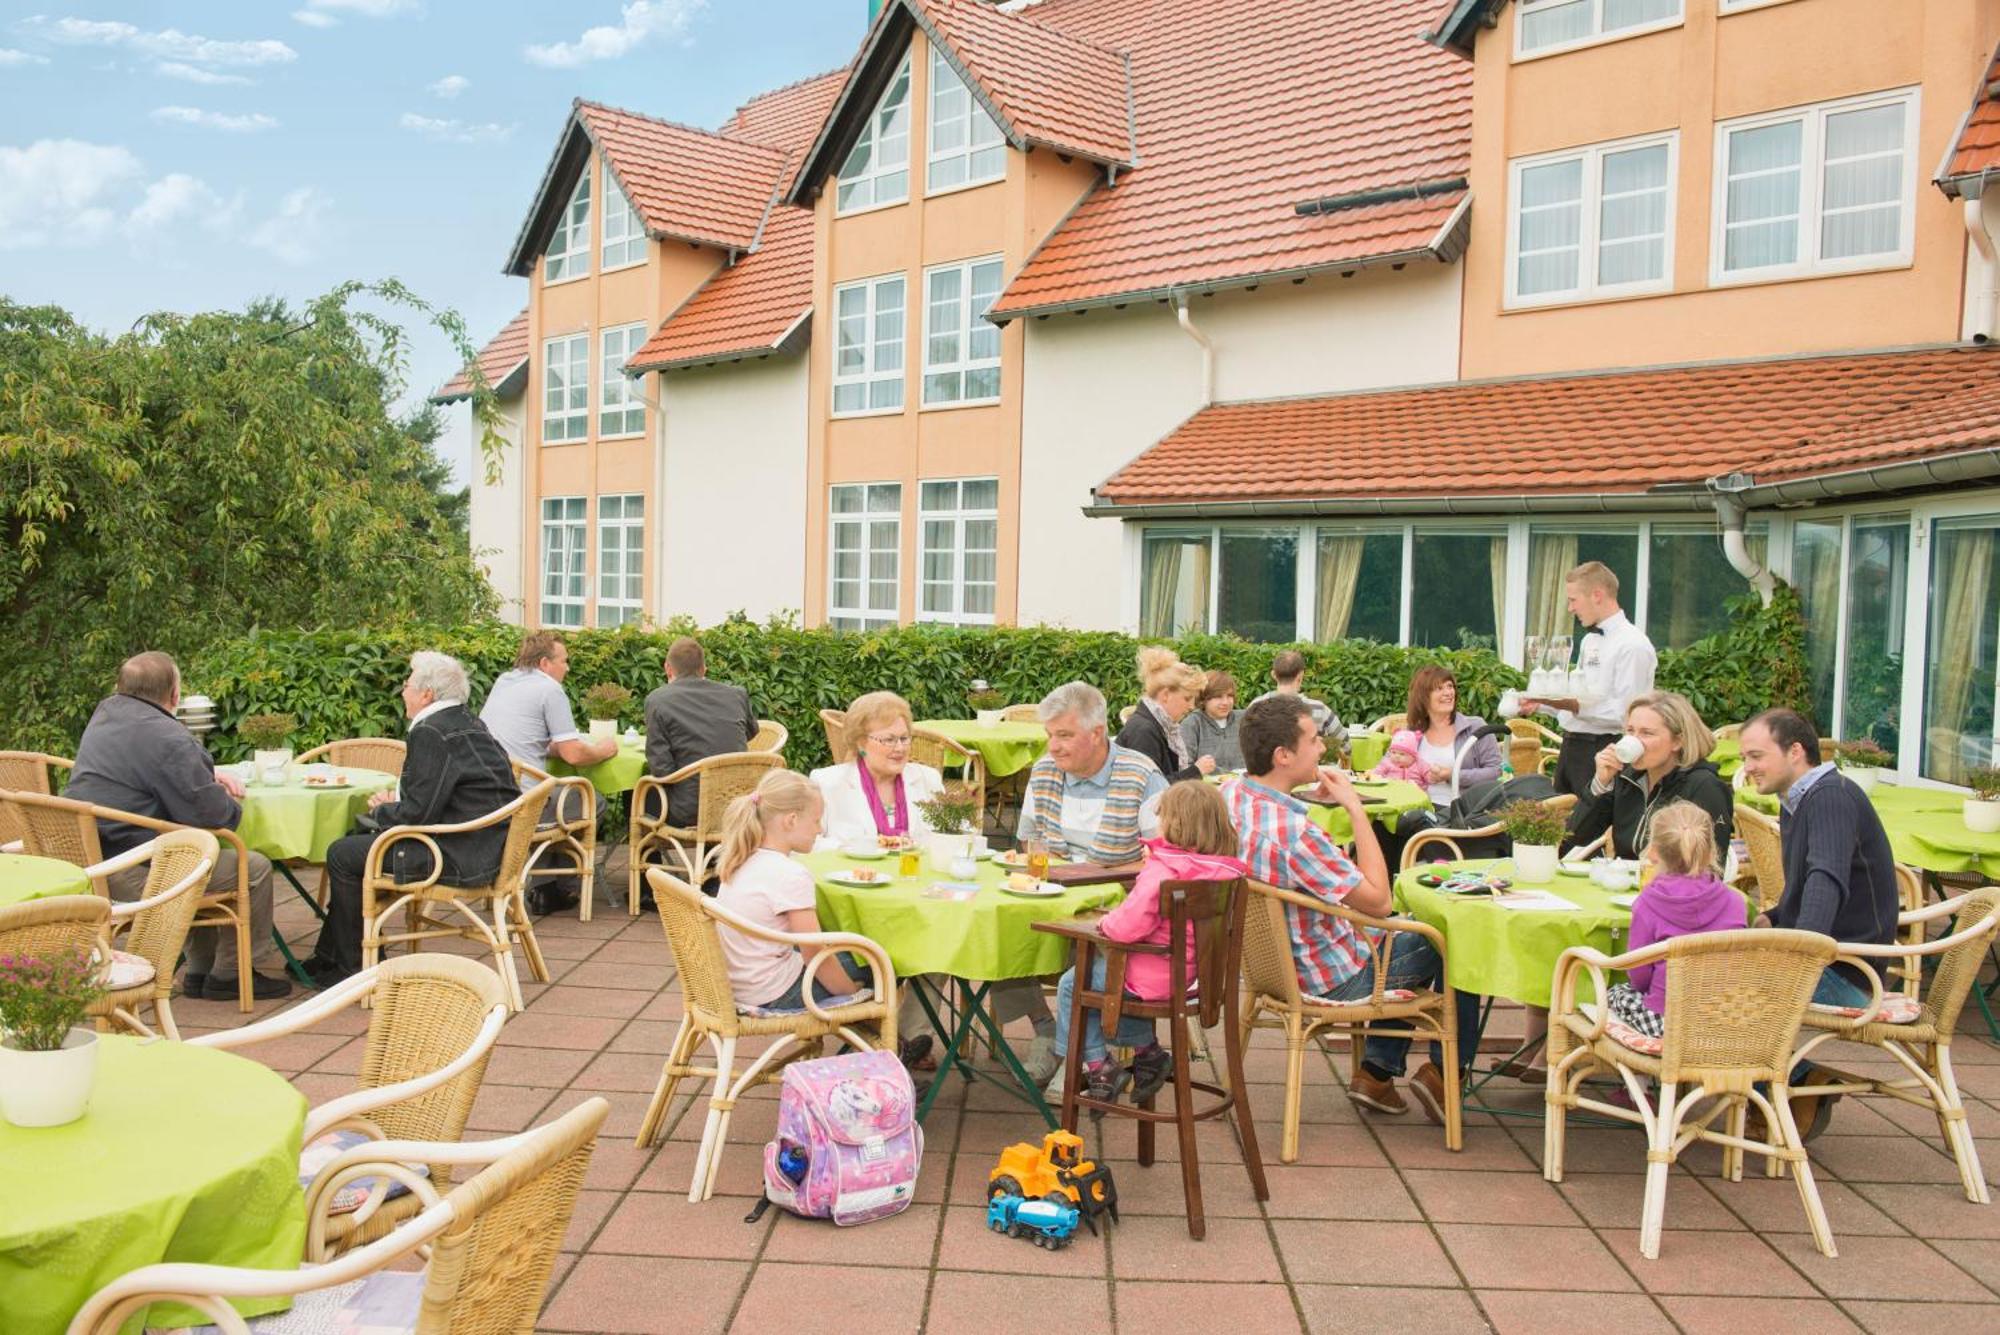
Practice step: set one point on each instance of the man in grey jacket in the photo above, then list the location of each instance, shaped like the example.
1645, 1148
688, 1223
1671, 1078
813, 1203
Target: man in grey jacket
692, 718
135, 756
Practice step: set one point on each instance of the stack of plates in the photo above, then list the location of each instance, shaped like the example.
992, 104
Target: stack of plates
197, 713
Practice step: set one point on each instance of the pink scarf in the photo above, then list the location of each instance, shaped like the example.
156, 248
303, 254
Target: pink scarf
883, 825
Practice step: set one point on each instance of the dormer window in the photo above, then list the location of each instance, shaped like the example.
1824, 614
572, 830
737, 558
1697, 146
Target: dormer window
1544, 26
877, 170
624, 237
966, 147
569, 248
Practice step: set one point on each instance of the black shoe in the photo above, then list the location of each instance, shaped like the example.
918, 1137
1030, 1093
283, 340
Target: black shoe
329, 977
319, 966
193, 984
915, 1052
547, 899
263, 987
1152, 1067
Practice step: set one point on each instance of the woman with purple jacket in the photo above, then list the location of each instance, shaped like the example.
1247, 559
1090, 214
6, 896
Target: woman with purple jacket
1684, 897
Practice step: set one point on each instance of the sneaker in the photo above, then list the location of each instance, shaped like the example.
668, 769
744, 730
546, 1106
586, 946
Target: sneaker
1152, 1067
263, 987
1105, 1081
915, 1053
1053, 1094
1373, 1092
1043, 1061
1427, 1088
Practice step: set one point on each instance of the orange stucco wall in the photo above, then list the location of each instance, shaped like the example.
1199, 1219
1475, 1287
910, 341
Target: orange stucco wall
1717, 67
1007, 217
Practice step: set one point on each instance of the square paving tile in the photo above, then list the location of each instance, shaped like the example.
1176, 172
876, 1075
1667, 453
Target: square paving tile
1317, 1252
1337, 1309
906, 1239
1495, 1256
646, 1295
1881, 1268
1710, 1263
1158, 1305
1529, 1313
1766, 1316
1299, 1192
1488, 1198
1923, 1318
831, 1299
653, 1223
1158, 1247
1932, 1211
964, 1302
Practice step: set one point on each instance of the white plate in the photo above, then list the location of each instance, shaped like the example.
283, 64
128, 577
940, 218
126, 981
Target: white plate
1040, 890
876, 856
848, 877
1624, 901
1573, 868
324, 787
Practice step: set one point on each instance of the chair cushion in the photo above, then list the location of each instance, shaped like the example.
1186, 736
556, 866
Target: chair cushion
857, 996
1388, 994
1625, 1036
128, 970
384, 1303
348, 1199
1896, 1009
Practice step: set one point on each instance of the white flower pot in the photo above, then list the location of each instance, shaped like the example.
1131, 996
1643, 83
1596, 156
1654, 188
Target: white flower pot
269, 766
48, 1088
1864, 777
990, 718
1535, 862
944, 848
1982, 817
601, 729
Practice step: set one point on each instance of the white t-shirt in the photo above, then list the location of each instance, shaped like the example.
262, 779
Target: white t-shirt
763, 891
1439, 758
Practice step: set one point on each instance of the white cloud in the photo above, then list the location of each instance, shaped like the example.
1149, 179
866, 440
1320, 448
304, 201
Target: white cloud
312, 18
216, 120
640, 20
456, 131
174, 69
174, 197
450, 86
367, 9
166, 44
61, 190
294, 233
10, 58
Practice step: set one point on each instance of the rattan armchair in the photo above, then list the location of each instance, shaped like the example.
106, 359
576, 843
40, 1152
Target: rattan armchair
1531, 748
834, 721
943, 754
26, 772
771, 736
1029, 713
382, 894
710, 1015
1767, 860
1389, 723
1274, 1000
432, 1025
1558, 805
492, 1242
155, 927
57, 923
382, 754
1735, 1001
56, 827
570, 834
724, 778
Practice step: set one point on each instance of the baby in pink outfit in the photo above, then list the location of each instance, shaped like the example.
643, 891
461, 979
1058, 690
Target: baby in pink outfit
1402, 761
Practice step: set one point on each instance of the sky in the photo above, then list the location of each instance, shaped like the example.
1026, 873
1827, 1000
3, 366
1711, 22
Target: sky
198, 154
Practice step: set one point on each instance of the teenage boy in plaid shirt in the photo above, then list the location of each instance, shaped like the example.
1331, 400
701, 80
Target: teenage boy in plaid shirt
1282, 747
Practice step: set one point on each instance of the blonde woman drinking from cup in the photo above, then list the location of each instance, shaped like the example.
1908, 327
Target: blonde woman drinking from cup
1661, 758
876, 794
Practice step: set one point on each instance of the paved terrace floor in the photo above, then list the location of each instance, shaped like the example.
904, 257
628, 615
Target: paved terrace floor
1377, 1228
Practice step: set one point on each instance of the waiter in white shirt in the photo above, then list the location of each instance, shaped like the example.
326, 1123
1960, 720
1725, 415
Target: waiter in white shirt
1617, 662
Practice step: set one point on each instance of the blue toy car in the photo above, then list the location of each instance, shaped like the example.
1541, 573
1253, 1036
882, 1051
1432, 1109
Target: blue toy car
1049, 1223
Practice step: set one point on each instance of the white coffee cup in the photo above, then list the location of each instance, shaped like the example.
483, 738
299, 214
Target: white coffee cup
1510, 703
1629, 748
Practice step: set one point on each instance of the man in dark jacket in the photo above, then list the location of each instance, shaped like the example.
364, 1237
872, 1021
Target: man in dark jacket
136, 756
692, 718
455, 771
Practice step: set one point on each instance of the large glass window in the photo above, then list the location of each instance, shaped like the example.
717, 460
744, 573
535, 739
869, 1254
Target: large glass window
1458, 589
565, 389
568, 255
961, 347
1878, 581
1689, 582
564, 551
619, 411
1173, 581
1592, 222
1816, 576
868, 346
1259, 594
1546, 25
624, 235
621, 543
877, 170
866, 577
960, 559
1960, 678
1360, 593
966, 147
1554, 552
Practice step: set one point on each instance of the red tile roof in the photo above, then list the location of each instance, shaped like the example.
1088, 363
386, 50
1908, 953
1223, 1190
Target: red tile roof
1046, 85
504, 354
1977, 148
1619, 432
695, 185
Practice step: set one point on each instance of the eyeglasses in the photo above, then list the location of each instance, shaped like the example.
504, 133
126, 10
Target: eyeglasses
889, 738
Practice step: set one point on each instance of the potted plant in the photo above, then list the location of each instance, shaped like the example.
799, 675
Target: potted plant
953, 844
269, 736
604, 703
1982, 809
1536, 832
48, 1055
988, 706
1862, 761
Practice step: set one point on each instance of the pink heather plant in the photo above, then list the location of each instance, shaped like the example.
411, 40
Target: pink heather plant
41, 1000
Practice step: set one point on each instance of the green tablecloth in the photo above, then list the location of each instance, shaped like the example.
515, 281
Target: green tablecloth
620, 774
24, 878
1366, 749
185, 1155
1006, 748
986, 938
1926, 828
294, 821
1727, 756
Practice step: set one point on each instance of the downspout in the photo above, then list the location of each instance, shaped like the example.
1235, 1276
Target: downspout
1730, 511
1977, 228
1207, 347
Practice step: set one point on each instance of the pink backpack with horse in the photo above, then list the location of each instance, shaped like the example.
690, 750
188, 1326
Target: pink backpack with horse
848, 1145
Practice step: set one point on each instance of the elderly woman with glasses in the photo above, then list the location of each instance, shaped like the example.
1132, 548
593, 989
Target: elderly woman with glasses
877, 792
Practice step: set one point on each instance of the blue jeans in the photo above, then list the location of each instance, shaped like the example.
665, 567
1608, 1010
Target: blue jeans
1131, 1033
794, 998
1413, 963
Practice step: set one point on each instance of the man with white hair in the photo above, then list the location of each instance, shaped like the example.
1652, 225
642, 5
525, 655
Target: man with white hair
454, 771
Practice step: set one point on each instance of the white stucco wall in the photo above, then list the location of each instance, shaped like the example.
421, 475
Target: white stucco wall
734, 482
1103, 387
496, 513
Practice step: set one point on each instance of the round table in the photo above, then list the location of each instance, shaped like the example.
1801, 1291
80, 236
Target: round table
290, 820
23, 878
1005, 748
1926, 827
1365, 749
185, 1155
620, 774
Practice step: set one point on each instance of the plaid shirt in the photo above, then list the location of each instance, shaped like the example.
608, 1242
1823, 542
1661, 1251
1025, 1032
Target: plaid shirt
1285, 849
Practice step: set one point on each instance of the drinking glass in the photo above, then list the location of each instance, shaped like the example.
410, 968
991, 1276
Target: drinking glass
1038, 859
1537, 647
1559, 647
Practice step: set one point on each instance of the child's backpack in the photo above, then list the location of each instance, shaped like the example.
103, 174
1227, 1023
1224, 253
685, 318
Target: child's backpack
848, 1144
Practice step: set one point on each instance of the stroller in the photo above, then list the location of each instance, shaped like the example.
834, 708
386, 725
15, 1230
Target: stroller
1473, 808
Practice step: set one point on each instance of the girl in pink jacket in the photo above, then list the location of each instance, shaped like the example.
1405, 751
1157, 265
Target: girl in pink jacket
1197, 843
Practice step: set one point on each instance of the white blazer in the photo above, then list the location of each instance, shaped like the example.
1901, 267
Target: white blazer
847, 815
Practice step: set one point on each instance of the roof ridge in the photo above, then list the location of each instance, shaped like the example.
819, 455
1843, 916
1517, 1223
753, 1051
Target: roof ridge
663, 122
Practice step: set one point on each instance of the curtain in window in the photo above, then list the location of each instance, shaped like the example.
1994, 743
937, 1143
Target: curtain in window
1816, 575
1861, 203
1174, 586
1551, 557
1964, 607
1497, 560
1339, 574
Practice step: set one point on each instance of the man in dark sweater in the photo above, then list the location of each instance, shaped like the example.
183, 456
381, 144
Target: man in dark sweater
692, 718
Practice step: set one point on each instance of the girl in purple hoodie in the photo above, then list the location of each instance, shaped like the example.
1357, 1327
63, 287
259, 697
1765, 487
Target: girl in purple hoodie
1685, 896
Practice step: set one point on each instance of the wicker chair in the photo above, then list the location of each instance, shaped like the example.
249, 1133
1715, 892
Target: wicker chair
1531, 748
56, 827
943, 754
155, 927
1728, 730
724, 778
771, 736
1921, 1045
382, 894
57, 923
432, 1026
26, 772
1275, 1001
1030, 713
835, 723
1558, 805
493, 1240
570, 836
711, 1015
1734, 1005
1767, 859
1389, 723
382, 754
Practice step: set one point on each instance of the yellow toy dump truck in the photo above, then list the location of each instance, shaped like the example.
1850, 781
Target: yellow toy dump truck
1056, 1171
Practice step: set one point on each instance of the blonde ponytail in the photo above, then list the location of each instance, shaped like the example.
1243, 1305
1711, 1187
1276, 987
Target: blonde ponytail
781, 792
1682, 836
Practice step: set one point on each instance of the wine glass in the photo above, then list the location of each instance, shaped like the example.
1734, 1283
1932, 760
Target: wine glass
1536, 647
1559, 647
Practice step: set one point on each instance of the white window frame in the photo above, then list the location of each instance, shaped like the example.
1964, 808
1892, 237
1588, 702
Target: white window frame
572, 234
630, 241
871, 135
875, 308
561, 374
868, 522
1597, 35
1742, 6
565, 555
957, 517
630, 577
1812, 178
615, 390
969, 322
1591, 208
979, 125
